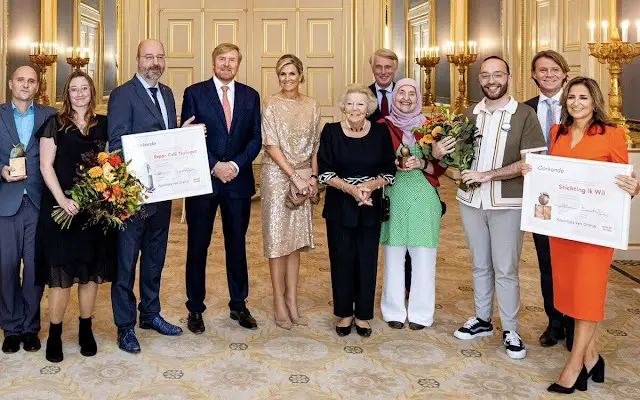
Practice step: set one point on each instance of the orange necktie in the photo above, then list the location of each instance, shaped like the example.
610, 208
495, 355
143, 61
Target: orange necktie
226, 106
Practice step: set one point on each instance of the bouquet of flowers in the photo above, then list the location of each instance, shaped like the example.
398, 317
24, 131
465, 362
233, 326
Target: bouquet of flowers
445, 124
105, 190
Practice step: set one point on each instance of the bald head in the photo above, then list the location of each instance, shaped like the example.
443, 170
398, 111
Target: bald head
150, 60
23, 84
150, 45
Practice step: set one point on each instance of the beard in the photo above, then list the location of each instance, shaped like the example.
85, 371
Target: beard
501, 92
154, 72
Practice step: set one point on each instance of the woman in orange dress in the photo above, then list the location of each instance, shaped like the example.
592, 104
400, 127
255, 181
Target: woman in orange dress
580, 270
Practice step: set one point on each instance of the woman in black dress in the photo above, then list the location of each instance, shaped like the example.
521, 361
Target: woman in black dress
355, 161
82, 255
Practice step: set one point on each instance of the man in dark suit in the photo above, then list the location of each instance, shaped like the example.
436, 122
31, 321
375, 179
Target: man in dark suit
384, 64
231, 114
549, 71
19, 209
141, 105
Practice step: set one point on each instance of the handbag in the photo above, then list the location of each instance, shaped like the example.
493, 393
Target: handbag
292, 200
385, 206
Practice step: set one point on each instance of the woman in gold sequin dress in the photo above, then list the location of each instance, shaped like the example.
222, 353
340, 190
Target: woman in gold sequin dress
290, 137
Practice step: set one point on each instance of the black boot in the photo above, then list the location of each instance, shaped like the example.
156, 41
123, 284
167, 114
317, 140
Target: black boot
54, 343
88, 346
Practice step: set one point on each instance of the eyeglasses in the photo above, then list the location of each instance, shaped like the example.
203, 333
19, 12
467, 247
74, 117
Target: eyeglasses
150, 57
81, 89
498, 76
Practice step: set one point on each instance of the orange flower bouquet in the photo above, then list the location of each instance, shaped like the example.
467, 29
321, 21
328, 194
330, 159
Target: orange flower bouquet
104, 190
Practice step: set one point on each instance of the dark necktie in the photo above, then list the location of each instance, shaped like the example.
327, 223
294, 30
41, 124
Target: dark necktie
384, 104
154, 94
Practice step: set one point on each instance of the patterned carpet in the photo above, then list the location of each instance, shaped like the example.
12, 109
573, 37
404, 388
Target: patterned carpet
312, 362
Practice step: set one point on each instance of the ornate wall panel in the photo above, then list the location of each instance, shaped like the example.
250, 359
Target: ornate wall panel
489, 38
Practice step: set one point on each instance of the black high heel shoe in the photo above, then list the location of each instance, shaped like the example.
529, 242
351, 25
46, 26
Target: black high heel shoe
362, 331
344, 330
597, 372
580, 384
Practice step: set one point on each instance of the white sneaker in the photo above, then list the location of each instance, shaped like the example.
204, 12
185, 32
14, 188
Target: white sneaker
514, 345
473, 328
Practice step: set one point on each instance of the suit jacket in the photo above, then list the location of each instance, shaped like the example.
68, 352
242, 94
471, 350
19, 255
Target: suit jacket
131, 110
11, 193
241, 144
533, 103
377, 114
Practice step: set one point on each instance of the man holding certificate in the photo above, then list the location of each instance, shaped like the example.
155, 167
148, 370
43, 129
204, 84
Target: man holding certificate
141, 105
231, 114
580, 270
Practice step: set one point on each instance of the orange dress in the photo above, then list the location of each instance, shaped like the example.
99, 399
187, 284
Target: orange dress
580, 270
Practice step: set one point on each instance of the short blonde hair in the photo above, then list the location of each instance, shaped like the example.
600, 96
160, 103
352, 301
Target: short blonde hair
372, 101
385, 53
224, 48
290, 59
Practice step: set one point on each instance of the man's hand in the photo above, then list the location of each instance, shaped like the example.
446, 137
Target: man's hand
6, 175
224, 171
470, 177
189, 122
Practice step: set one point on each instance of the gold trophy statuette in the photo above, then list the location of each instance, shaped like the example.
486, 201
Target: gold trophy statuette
17, 161
404, 156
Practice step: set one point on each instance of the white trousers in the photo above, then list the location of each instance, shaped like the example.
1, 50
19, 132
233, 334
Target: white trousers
422, 298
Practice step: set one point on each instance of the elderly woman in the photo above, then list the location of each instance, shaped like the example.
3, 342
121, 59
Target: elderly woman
290, 137
414, 221
580, 270
64, 257
355, 161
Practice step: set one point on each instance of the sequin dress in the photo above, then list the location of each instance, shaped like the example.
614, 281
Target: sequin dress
293, 126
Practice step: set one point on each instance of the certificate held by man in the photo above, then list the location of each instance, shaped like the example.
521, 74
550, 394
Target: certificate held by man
577, 200
171, 164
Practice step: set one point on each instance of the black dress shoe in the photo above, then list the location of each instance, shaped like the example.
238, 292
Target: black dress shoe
244, 318
195, 323
551, 336
343, 330
597, 372
580, 384
415, 327
363, 331
395, 324
31, 342
11, 344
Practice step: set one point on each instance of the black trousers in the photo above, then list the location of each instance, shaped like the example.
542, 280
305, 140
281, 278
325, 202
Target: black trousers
557, 320
353, 255
201, 212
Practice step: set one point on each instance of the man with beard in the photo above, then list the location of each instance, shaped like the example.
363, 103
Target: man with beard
490, 207
231, 114
20, 197
141, 105
549, 71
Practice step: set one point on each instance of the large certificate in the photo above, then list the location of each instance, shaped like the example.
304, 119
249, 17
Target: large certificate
576, 200
171, 164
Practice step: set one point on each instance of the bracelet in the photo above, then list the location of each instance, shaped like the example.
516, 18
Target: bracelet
294, 176
314, 176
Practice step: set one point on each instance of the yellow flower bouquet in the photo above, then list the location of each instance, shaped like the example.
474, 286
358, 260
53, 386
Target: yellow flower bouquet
104, 190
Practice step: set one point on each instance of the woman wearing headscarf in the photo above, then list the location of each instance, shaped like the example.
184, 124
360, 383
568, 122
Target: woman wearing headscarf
414, 220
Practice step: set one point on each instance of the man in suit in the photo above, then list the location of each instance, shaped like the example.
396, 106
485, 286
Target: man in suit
384, 64
19, 209
549, 71
231, 114
142, 105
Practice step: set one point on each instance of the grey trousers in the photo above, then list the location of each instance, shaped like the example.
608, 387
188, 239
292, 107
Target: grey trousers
495, 240
19, 301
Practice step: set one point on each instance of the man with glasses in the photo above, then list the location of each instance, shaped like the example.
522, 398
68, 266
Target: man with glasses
549, 71
142, 105
490, 207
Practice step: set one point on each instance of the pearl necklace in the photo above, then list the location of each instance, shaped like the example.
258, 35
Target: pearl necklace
355, 129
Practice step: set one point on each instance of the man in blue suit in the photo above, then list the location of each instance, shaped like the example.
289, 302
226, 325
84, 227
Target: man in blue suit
19, 209
142, 105
231, 114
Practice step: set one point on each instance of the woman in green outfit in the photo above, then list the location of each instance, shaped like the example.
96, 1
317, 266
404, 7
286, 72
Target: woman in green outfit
414, 221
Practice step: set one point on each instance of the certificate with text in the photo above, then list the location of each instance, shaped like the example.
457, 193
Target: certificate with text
577, 200
171, 164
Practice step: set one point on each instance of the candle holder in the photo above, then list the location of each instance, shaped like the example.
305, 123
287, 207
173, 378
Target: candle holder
77, 62
43, 61
462, 61
427, 63
615, 53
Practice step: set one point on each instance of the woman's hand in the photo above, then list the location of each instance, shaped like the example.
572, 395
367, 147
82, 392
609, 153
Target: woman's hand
313, 186
69, 206
441, 148
412, 162
360, 193
629, 184
301, 184
525, 168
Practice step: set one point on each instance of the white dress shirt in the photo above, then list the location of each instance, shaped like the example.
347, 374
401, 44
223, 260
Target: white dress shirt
389, 90
163, 106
